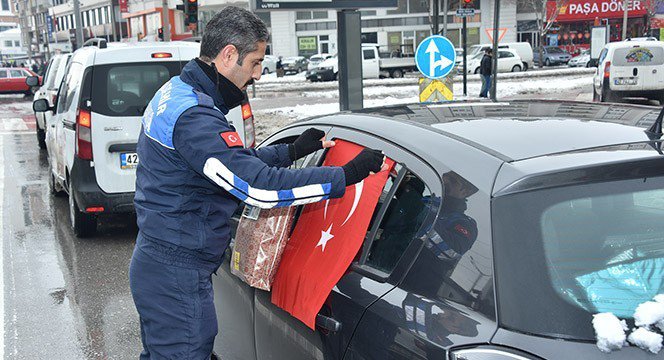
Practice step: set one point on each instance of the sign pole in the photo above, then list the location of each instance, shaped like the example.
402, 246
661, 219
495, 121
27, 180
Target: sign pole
350, 60
494, 65
464, 39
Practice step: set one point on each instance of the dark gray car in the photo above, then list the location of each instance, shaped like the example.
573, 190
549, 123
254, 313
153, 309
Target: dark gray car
551, 55
488, 241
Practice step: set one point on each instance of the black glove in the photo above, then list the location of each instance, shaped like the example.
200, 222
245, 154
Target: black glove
365, 162
305, 144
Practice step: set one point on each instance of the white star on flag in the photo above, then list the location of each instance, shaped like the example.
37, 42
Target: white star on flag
325, 236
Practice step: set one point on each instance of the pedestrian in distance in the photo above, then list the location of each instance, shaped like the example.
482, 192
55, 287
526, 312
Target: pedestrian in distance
486, 72
193, 174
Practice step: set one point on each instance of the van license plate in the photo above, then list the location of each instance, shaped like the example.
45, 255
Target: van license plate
626, 81
128, 160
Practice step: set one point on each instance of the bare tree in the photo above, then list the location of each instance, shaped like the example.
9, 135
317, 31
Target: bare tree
651, 8
544, 18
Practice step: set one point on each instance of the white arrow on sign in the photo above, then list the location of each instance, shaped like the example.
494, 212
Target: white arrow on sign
432, 50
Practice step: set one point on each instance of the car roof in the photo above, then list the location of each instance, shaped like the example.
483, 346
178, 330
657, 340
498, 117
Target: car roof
135, 52
524, 134
633, 43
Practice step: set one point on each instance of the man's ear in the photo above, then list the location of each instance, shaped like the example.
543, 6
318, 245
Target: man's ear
228, 56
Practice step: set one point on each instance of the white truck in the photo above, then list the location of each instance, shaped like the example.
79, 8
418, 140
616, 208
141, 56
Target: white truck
373, 66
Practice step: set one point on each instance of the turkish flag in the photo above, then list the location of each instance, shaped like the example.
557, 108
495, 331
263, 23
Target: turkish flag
325, 241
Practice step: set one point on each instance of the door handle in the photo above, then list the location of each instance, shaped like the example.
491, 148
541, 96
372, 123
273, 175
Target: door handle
327, 323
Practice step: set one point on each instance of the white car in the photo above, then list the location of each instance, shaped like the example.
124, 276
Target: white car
269, 64
315, 60
523, 49
48, 91
581, 60
631, 68
508, 61
98, 119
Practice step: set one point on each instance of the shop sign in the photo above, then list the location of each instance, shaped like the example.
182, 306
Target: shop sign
123, 6
307, 43
591, 9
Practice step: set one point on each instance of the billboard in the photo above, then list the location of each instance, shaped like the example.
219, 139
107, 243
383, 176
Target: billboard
267, 5
578, 10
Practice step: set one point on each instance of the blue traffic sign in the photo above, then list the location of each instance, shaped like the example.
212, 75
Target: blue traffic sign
435, 57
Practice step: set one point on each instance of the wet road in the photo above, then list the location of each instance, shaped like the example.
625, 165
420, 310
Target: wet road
64, 298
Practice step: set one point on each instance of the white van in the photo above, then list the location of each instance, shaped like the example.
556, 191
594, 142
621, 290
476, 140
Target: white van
92, 153
631, 68
49, 89
523, 49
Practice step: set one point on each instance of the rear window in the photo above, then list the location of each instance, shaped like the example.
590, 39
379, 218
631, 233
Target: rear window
567, 253
126, 89
639, 55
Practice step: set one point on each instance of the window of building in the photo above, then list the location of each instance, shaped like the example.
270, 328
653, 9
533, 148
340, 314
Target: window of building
418, 6
265, 16
106, 16
303, 15
17, 43
8, 43
5, 5
367, 13
319, 15
402, 8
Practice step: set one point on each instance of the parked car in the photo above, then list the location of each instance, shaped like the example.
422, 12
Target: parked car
552, 55
523, 49
630, 69
294, 64
581, 60
491, 251
49, 90
508, 61
13, 81
314, 60
92, 153
269, 64
373, 65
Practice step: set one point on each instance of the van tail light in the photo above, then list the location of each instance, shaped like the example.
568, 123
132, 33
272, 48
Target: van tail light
249, 130
83, 134
94, 209
607, 69
161, 55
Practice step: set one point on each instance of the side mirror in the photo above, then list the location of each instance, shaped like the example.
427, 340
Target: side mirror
593, 63
41, 105
32, 81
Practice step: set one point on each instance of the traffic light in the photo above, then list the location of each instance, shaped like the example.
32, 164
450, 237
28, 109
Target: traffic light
191, 16
468, 3
160, 33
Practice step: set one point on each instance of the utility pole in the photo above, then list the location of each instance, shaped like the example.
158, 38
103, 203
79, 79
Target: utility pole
624, 25
114, 23
436, 22
79, 25
494, 65
166, 21
446, 6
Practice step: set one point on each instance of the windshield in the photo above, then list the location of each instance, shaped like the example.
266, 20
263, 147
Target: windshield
554, 50
567, 253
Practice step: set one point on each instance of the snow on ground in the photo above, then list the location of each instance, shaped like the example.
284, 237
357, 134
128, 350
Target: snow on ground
646, 340
610, 332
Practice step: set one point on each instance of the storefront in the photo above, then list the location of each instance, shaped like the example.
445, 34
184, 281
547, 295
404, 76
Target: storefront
575, 21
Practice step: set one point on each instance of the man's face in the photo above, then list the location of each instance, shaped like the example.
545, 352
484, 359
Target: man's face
250, 70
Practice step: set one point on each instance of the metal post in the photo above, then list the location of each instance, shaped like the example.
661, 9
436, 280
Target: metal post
350, 60
494, 65
464, 39
166, 21
79, 25
624, 25
436, 23
113, 23
446, 6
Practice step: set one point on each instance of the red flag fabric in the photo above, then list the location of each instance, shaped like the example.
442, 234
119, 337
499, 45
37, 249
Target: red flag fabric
325, 241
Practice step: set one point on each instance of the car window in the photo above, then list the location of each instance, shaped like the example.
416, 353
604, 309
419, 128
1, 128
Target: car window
126, 89
3, 74
505, 54
69, 85
407, 208
602, 55
554, 50
368, 54
26, 73
16, 73
640, 55
49, 78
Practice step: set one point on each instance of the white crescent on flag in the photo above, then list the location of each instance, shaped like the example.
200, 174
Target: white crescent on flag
358, 194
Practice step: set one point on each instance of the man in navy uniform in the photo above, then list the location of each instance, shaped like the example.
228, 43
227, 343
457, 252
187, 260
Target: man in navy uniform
195, 171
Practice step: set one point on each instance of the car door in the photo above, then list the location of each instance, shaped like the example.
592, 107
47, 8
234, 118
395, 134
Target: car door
370, 67
4, 81
599, 72
17, 80
505, 61
234, 299
280, 336
446, 298
66, 115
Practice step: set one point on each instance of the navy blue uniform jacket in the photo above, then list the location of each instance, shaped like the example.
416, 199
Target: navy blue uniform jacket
191, 177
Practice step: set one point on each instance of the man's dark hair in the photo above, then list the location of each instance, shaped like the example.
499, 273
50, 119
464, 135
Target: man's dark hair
232, 26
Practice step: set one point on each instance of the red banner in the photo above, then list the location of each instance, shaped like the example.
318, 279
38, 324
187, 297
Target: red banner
123, 6
577, 10
325, 241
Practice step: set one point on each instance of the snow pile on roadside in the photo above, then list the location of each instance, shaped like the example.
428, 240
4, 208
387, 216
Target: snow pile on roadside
610, 331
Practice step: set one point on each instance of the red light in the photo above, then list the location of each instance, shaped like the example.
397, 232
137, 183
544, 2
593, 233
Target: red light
84, 134
246, 111
95, 209
83, 118
607, 69
193, 1
161, 55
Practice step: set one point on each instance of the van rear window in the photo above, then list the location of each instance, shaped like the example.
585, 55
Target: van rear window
126, 89
640, 55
